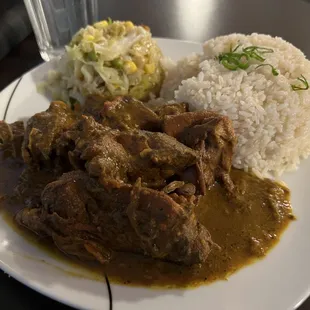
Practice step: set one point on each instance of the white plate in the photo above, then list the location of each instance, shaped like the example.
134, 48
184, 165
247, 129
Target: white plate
278, 282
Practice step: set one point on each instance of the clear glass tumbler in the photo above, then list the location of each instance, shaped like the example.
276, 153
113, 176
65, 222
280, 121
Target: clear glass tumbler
54, 22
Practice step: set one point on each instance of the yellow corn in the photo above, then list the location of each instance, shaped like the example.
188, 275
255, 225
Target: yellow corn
89, 37
129, 25
101, 24
149, 68
130, 67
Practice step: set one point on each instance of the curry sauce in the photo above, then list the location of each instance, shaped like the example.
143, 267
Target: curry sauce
243, 227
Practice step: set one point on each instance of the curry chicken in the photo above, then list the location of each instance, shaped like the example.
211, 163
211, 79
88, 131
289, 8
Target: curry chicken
122, 183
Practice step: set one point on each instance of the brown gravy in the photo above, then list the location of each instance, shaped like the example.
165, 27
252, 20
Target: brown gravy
244, 229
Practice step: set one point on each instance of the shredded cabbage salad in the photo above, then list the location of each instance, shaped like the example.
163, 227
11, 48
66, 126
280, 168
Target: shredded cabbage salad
107, 59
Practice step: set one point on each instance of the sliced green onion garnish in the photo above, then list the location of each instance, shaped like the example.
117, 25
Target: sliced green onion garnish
233, 50
258, 49
244, 61
234, 60
304, 81
273, 69
231, 64
256, 56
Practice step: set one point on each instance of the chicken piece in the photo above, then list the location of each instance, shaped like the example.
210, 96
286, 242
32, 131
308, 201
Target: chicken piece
156, 156
93, 106
123, 157
11, 138
174, 125
25, 189
125, 113
42, 132
140, 113
31, 218
212, 135
91, 221
168, 230
170, 109
96, 150
66, 215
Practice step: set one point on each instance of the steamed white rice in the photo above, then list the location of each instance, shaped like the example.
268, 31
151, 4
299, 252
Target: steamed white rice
177, 72
271, 120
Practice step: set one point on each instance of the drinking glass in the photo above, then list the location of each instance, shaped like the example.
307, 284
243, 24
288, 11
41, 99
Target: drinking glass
54, 22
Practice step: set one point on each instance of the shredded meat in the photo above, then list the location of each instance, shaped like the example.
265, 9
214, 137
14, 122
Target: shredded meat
210, 134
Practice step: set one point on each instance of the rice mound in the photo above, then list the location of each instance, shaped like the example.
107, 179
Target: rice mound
177, 72
271, 120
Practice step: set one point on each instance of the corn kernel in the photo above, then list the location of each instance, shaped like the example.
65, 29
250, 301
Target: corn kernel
101, 24
89, 37
130, 67
129, 25
149, 68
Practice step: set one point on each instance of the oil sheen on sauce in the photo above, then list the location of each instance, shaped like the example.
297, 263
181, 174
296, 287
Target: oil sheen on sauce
243, 228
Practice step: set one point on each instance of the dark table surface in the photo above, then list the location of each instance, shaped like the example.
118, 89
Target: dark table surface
195, 20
